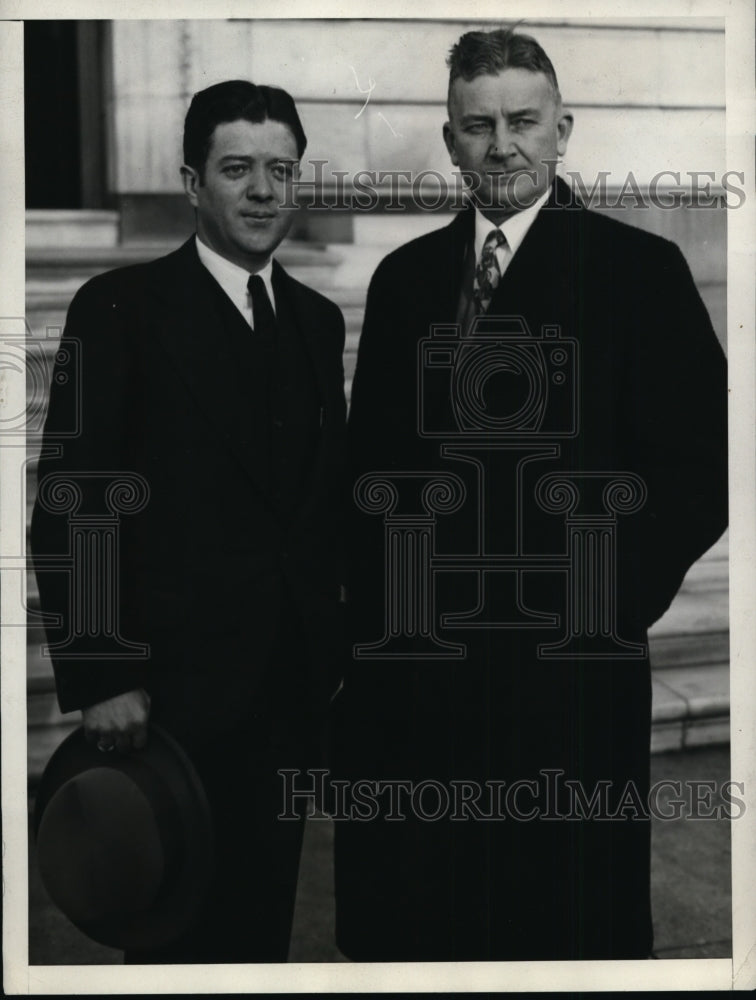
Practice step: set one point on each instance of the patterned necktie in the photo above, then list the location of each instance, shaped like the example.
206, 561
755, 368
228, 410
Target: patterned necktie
487, 273
263, 317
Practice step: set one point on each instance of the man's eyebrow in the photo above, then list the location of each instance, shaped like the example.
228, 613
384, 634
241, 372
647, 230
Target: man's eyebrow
480, 116
523, 111
483, 116
251, 159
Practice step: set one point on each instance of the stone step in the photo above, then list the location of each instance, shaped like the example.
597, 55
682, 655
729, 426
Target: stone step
56, 228
349, 296
679, 649
691, 707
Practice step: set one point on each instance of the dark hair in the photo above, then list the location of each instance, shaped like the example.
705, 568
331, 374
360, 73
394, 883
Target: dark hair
228, 102
480, 52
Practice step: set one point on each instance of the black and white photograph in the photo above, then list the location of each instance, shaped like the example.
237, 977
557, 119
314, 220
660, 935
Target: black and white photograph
378, 453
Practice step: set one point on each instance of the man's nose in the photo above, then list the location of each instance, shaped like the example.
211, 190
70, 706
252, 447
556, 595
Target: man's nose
259, 187
502, 142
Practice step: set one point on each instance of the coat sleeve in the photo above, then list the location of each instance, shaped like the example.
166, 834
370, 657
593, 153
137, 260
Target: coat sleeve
379, 415
90, 398
675, 429
338, 473
382, 414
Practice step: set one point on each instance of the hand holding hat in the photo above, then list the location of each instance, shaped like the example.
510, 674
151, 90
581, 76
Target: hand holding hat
120, 723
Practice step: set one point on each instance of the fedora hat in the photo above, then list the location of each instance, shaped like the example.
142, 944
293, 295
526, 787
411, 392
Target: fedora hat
124, 841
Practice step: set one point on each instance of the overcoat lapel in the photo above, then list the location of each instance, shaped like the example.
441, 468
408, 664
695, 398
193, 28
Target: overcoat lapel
537, 275
193, 332
537, 282
440, 274
449, 267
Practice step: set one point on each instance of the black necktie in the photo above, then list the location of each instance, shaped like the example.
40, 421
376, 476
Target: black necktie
263, 317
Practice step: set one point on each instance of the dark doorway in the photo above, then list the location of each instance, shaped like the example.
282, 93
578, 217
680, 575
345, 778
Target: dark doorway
63, 114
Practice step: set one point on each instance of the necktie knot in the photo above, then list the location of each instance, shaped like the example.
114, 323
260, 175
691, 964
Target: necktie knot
494, 240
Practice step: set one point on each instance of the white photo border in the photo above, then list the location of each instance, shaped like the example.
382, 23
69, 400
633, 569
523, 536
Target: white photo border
694, 974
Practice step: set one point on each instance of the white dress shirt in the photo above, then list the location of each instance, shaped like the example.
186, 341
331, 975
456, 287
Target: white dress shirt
233, 279
514, 229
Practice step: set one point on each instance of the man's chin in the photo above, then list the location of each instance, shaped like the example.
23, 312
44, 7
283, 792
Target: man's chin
260, 249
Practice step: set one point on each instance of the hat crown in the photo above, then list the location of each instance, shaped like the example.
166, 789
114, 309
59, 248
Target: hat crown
124, 841
100, 852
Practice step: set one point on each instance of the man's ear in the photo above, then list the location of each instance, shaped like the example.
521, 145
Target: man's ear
564, 131
450, 145
191, 180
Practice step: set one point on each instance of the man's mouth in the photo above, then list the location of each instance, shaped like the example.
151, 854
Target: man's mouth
258, 216
504, 180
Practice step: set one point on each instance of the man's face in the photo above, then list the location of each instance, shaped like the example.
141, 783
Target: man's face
247, 178
503, 130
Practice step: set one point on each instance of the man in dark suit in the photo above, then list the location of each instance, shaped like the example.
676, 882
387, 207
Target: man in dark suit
539, 414
213, 380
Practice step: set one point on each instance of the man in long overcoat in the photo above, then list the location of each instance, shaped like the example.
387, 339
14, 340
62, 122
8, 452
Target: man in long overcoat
538, 452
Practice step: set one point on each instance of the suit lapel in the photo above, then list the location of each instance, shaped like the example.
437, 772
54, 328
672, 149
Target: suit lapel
304, 313
193, 332
288, 291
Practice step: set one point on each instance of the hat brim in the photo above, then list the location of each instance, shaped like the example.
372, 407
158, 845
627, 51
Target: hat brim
175, 908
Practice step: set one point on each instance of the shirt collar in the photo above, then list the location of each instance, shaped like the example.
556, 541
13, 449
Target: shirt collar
232, 278
514, 228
